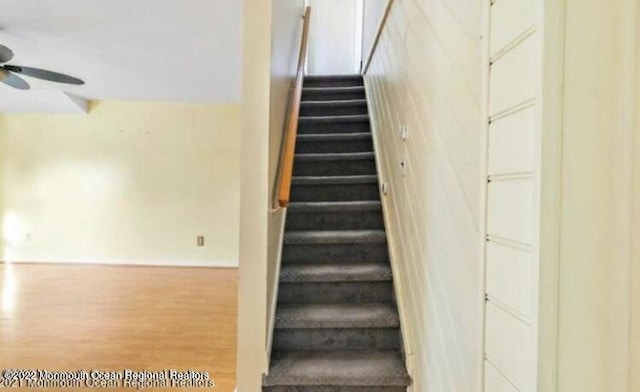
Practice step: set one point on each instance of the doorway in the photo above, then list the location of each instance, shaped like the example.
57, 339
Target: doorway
335, 37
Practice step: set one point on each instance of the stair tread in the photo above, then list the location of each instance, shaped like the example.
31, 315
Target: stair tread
322, 137
318, 180
344, 368
334, 206
324, 339
332, 119
333, 77
335, 272
333, 80
340, 156
335, 237
336, 315
334, 88
335, 102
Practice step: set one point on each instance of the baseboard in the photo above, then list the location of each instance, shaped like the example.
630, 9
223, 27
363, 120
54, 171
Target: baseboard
134, 263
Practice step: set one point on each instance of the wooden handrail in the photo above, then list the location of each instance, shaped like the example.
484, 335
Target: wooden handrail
374, 46
291, 132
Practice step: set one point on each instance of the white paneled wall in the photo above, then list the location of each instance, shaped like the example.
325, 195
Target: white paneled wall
513, 77
426, 74
512, 221
509, 283
518, 149
511, 142
508, 345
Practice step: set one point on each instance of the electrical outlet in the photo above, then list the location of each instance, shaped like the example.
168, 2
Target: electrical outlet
28, 236
384, 188
200, 240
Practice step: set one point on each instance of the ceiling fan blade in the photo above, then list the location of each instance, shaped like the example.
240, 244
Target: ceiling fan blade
6, 54
44, 74
13, 80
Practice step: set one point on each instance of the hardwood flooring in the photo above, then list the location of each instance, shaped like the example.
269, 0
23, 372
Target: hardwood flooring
68, 317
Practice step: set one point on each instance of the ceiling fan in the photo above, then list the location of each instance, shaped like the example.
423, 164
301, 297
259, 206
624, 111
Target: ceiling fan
11, 74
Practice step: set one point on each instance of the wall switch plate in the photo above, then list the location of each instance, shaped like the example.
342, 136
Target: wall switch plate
403, 133
200, 240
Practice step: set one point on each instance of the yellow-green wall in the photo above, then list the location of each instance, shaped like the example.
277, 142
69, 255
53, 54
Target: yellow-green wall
130, 182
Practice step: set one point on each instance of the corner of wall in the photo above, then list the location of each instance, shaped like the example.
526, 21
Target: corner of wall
254, 196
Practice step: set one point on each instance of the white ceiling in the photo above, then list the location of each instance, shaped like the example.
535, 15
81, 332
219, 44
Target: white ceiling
152, 50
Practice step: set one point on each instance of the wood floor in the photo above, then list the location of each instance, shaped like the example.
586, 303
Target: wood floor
70, 317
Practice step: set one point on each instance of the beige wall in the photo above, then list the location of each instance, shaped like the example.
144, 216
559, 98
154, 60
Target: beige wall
426, 74
372, 16
635, 229
335, 40
130, 183
286, 32
271, 39
597, 197
255, 196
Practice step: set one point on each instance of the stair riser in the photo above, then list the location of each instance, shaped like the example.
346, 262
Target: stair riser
335, 82
323, 126
335, 192
331, 95
339, 220
336, 339
332, 389
334, 146
335, 253
334, 168
335, 292
344, 109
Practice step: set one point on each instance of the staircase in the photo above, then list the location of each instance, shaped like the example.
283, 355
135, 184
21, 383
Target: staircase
337, 327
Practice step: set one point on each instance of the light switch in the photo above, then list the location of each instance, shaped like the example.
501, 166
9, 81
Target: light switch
403, 133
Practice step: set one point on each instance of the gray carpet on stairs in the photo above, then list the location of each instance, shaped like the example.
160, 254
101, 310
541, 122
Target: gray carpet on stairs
337, 327
344, 368
333, 108
336, 339
335, 237
364, 272
334, 143
340, 315
336, 292
335, 164
332, 93
347, 215
334, 389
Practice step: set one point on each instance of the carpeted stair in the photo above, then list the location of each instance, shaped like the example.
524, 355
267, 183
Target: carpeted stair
337, 327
